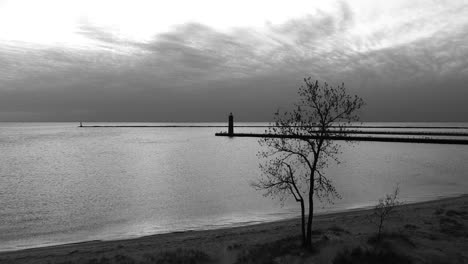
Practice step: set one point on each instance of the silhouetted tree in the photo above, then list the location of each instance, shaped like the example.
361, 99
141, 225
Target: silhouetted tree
294, 166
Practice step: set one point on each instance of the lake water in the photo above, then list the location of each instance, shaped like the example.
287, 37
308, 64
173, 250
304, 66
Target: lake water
60, 183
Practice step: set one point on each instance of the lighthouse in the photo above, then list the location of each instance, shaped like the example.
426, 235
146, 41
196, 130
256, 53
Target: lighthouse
231, 125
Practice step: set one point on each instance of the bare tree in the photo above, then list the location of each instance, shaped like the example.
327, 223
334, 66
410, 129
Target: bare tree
295, 164
384, 209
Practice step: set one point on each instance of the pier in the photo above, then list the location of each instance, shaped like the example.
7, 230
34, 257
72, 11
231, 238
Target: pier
350, 135
357, 138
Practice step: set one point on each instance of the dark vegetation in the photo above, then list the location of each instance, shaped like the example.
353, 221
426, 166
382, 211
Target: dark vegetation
385, 247
386, 239
451, 222
337, 230
439, 211
179, 256
451, 226
281, 251
463, 214
267, 253
370, 255
411, 227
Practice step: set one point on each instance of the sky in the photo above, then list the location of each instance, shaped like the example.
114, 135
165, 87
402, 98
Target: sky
196, 61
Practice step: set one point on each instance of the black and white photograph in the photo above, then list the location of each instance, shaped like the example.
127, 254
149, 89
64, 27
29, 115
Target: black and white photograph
233, 132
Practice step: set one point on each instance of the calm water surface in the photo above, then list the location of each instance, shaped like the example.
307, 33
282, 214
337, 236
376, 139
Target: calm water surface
60, 183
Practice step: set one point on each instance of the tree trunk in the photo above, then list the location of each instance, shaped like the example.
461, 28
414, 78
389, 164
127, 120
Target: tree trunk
303, 230
311, 211
309, 222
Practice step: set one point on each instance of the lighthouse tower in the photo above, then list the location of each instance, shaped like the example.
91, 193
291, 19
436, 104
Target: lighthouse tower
231, 125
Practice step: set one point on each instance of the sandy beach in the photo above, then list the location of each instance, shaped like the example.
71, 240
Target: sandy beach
428, 232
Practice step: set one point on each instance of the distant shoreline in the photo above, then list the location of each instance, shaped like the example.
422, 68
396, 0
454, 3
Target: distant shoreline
212, 241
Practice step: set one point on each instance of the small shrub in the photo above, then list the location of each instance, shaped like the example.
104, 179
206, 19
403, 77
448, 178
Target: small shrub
367, 256
384, 209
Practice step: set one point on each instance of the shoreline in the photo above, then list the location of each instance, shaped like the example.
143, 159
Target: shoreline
216, 240
204, 228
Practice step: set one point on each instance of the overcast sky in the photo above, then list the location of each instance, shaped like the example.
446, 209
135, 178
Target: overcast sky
199, 60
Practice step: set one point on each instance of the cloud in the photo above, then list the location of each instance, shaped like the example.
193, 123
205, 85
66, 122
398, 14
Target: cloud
197, 72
